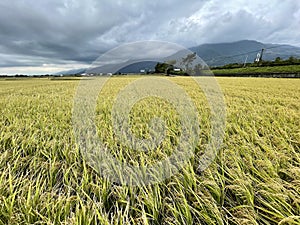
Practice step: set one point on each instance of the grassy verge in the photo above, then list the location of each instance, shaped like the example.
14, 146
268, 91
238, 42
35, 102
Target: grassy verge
255, 70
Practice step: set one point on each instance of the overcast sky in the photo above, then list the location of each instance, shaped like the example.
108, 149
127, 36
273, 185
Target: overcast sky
52, 35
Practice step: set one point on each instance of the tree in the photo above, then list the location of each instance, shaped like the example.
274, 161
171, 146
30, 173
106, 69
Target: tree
165, 67
187, 61
278, 60
160, 67
292, 59
198, 69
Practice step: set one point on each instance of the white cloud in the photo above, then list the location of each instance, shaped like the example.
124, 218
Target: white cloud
222, 21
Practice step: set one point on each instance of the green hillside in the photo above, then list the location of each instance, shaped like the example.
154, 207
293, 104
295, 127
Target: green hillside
255, 70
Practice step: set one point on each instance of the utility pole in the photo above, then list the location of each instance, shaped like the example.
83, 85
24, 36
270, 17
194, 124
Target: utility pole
245, 61
261, 54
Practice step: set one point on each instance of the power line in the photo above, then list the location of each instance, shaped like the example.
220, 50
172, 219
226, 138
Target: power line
241, 54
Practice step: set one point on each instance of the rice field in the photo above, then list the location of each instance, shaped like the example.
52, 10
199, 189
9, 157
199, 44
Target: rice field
255, 178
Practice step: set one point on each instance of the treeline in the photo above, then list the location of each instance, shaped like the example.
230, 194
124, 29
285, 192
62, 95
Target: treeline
185, 66
277, 62
168, 69
38, 76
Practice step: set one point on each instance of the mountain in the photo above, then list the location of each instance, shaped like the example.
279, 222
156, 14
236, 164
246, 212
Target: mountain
136, 67
238, 52
69, 72
129, 67
215, 55
126, 67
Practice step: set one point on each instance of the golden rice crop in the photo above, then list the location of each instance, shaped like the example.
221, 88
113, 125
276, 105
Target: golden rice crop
255, 178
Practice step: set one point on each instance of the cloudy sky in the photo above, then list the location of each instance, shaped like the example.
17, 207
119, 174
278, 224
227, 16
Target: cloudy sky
53, 35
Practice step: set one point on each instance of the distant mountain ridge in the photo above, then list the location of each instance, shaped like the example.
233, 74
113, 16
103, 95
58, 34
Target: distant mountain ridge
241, 51
219, 54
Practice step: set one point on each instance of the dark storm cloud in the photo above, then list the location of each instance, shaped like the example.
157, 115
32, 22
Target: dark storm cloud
73, 29
34, 33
